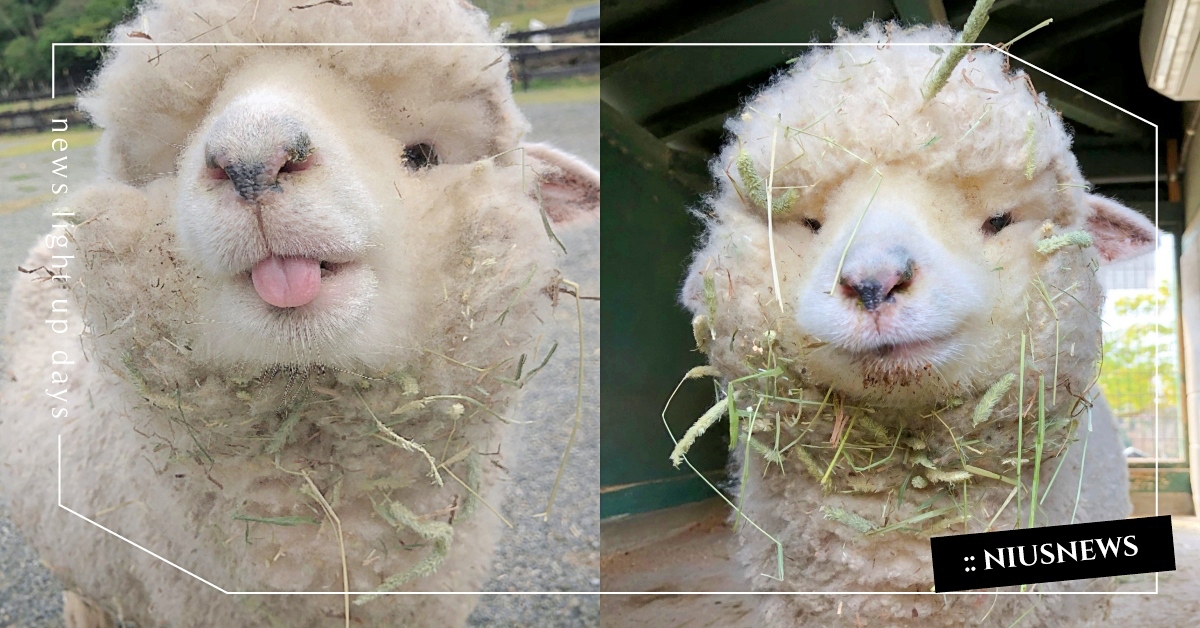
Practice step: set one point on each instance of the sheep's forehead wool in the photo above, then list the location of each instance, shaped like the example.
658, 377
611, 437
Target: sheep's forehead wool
144, 93
854, 152
839, 106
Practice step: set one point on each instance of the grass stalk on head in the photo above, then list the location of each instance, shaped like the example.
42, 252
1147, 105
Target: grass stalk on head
877, 462
815, 415
734, 419
401, 442
1046, 22
516, 295
276, 521
915, 519
986, 110
988, 474
972, 28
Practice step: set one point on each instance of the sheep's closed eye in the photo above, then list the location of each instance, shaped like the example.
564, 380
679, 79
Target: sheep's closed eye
993, 225
420, 156
813, 224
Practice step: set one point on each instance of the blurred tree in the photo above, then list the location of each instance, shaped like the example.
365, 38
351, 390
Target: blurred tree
1127, 376
29, 27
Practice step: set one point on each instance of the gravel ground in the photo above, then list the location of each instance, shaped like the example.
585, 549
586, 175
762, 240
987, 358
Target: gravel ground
29, 595
561, 554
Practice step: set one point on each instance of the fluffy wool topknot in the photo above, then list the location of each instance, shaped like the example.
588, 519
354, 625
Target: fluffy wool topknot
150, 96
860, 100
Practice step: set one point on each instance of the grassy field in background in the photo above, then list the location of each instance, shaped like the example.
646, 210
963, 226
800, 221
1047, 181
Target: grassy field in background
574, 89
45, 103
30, 143
518, 14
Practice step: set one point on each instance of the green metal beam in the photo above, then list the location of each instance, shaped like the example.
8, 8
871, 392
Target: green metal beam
646, 237
921, 11
638, 144
1088, 110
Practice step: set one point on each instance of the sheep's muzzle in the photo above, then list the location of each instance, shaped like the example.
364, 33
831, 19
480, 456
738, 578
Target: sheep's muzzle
879, 287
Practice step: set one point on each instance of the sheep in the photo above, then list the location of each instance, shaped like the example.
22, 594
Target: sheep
884, 280
289, 323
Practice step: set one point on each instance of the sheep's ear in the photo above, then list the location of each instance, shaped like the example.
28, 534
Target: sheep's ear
1118, 232
570, 189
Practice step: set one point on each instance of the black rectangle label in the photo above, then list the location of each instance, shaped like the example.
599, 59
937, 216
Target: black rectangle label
963, 562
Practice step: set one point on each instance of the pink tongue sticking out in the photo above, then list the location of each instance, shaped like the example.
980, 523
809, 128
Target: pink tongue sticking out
287, 281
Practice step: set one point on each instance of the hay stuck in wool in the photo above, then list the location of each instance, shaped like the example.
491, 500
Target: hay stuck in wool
306, 294
941, 385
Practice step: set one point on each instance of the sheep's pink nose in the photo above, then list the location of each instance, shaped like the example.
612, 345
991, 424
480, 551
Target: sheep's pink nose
252, 148
873, 289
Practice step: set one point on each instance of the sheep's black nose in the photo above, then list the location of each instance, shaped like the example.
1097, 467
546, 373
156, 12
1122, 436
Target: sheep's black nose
870, 293
877, 288
251, 179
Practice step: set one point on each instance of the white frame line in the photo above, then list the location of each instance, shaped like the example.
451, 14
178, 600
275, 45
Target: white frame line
53, 76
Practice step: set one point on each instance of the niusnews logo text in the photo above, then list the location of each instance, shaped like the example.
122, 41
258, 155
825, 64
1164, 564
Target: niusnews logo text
1052, 553
1097, 549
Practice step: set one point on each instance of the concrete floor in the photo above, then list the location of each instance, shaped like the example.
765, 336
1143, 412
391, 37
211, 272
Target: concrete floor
688, 548
561, 554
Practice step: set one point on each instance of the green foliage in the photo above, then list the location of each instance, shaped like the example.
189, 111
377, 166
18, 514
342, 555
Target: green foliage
1129, 354
518, 12
28, 28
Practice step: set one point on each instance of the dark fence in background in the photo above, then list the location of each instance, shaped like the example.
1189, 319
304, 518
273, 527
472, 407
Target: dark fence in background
529, 63
29, 113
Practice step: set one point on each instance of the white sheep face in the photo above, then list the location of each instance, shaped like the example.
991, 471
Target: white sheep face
922, 285
300, 207
906, 263
913, 295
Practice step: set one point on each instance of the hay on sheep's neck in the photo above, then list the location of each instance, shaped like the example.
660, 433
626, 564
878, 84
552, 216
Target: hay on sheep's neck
851, 447
960, 458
